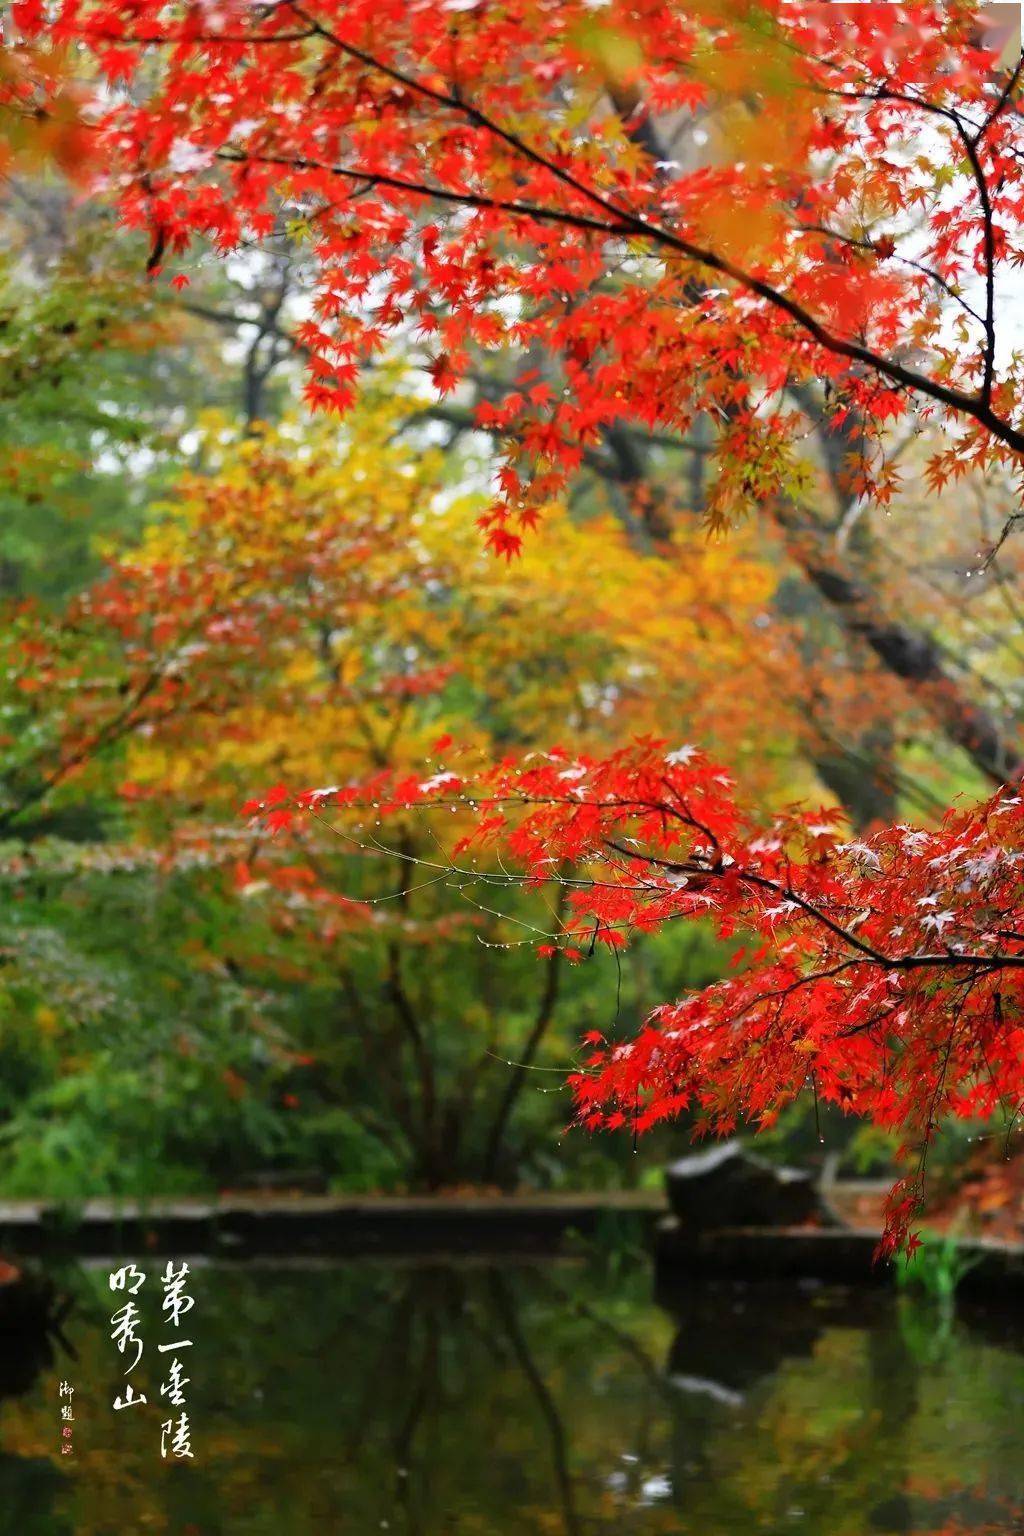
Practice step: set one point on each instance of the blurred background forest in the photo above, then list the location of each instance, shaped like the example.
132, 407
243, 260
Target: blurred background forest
207, 590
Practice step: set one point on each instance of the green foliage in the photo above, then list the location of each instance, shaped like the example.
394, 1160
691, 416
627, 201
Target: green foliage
936, 1268
122, 1069
927, 1281
101, 381
152, 1042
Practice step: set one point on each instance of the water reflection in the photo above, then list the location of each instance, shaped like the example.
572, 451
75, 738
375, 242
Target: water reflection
495, 1399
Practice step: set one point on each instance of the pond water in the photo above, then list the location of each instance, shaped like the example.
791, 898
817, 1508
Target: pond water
487, 1399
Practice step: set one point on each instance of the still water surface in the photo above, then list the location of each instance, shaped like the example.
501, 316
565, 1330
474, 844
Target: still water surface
553, 1399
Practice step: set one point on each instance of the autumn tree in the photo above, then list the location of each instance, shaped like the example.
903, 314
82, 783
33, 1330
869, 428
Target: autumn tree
886, 202
841, 227
326, 600
523, 209
672, 104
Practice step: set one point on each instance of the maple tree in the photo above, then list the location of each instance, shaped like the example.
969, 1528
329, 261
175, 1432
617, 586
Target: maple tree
704, 351
483, 278
484, 178
884, 974
311, 603
328, 602
840, 217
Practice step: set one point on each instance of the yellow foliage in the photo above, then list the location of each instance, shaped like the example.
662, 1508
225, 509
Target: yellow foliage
379, 622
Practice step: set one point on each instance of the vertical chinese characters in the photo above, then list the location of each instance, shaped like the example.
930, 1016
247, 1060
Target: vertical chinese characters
125, 1328
67, 1418
175, 1432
